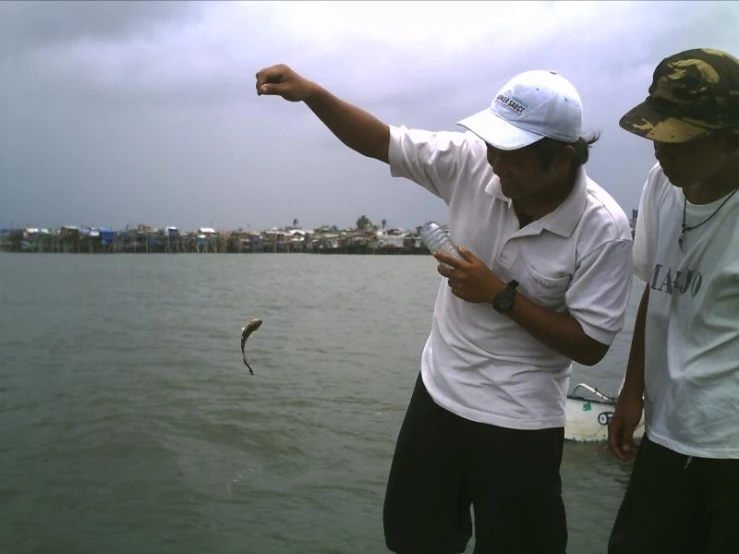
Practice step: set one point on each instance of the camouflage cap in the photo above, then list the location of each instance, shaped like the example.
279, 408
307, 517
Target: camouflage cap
692, 93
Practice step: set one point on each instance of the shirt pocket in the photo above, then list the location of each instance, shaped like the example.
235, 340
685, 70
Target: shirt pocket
548, 290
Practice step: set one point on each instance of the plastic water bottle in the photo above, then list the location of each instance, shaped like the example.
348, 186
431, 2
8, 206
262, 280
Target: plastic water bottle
437, 239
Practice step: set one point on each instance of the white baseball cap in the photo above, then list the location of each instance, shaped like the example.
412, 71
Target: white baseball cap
531, 106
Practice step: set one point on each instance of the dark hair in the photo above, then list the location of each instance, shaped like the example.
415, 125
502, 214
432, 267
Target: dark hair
547, 148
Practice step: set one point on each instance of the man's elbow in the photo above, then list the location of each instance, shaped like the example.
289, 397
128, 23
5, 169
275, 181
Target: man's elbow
592, 353
380, 148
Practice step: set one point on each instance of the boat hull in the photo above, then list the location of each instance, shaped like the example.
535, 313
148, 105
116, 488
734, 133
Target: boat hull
587, 419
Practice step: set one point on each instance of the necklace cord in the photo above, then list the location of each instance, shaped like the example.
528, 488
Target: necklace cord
686, 228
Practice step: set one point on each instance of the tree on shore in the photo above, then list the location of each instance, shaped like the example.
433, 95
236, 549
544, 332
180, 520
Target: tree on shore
364, 222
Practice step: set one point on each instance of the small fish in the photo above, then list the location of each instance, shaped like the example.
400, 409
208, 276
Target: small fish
252, 325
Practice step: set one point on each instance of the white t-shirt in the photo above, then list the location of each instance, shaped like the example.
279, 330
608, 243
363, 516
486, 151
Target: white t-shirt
480, 364
692, 333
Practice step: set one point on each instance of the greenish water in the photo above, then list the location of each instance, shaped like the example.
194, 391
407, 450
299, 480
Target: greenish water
128, 422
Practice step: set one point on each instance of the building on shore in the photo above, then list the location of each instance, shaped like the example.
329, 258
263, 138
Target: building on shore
171, 240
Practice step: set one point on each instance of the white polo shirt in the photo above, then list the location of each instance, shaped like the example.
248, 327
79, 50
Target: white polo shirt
477, 363
691, 400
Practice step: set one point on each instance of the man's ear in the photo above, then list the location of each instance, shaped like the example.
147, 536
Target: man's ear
564, 157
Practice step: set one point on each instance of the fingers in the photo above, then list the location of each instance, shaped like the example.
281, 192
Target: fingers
450, 263
621, 439
448, 272
445, 270
456, 288
627, 443
614, 439
467, 255
268, 78
273, 89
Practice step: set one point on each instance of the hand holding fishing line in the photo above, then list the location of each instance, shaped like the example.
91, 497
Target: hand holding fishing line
280, 80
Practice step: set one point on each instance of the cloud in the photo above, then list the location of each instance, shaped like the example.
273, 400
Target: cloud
119, 113
31, 25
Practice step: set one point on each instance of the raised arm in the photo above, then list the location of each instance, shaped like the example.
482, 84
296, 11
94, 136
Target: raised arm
357, 129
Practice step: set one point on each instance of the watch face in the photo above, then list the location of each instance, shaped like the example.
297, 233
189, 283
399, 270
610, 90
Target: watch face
505, 301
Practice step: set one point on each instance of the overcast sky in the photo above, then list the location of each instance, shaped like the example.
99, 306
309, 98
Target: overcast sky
115, 114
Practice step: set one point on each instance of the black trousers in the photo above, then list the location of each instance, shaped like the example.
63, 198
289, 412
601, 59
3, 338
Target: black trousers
678, 504
443, 464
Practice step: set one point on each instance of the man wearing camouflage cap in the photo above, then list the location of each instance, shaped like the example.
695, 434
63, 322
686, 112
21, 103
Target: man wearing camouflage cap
684, 363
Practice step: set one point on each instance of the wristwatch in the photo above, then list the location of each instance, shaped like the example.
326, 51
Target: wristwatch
504, 300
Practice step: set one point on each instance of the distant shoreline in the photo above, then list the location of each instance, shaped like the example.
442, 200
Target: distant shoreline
147, 240
332, 252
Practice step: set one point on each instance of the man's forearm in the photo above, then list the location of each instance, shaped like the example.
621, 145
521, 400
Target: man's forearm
356, 128
560, 332
634, 380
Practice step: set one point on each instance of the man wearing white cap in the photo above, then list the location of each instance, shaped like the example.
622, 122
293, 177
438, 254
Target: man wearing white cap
545, 281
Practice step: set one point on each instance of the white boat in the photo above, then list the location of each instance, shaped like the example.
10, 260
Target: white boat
588, 414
